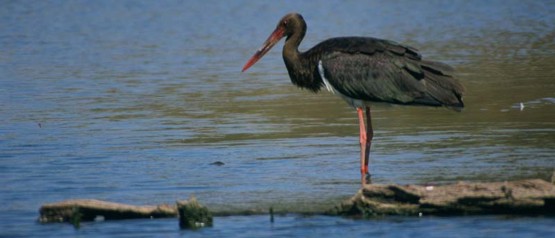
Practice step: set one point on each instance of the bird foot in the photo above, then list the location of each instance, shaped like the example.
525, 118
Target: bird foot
366, 179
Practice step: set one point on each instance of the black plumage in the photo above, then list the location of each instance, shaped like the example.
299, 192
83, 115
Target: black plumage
388, 73
372, 69
363, 70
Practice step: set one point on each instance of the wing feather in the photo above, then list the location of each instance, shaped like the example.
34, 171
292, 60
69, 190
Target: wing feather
390, 77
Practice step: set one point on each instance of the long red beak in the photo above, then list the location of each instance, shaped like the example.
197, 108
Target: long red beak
278, 33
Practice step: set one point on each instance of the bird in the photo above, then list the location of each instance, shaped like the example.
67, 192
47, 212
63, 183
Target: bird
363, 70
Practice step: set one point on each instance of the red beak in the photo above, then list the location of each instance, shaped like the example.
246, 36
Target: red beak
278, 33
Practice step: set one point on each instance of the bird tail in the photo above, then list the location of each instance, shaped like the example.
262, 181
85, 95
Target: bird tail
441, 87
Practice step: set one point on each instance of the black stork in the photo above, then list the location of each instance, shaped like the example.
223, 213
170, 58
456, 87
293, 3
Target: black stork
363, 70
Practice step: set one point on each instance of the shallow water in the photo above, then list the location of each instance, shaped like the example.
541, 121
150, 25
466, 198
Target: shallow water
132, 101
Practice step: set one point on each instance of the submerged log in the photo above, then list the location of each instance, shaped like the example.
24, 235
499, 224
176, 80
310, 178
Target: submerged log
526, 197
77, 210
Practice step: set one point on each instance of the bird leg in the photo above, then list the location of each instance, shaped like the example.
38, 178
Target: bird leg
369, 136
365, 142
363, 153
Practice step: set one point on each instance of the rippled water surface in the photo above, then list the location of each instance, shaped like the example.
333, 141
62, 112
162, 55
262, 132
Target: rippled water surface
132, 101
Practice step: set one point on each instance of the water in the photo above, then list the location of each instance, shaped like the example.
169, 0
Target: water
131, 101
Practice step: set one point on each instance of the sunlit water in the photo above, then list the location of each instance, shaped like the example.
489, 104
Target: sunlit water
132, 102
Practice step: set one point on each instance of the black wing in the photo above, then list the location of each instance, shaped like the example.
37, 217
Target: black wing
378, 70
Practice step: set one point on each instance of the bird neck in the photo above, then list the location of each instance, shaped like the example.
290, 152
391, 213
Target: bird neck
301, 69
291, 54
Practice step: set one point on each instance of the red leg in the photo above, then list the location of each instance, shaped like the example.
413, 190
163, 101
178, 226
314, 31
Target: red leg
363, 153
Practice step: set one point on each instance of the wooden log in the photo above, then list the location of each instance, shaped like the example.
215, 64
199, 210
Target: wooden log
77, 210
526, 197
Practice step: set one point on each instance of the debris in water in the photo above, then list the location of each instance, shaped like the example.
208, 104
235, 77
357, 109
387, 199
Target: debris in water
99, 218
218, 163
192, 215
271, 214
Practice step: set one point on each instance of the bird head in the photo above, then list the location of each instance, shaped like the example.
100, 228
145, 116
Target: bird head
285, 27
